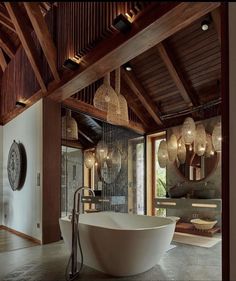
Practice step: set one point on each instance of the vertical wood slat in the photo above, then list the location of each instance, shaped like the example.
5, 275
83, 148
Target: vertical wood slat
81, 25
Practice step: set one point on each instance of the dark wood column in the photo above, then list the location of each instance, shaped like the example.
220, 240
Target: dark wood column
51, 170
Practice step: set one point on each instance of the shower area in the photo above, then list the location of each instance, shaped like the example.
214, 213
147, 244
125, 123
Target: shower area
110, 159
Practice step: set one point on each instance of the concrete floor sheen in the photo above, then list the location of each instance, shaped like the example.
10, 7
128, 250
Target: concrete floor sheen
48, 262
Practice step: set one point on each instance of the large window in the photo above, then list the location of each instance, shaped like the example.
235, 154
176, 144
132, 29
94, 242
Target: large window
71, 176
136, 176
158, 175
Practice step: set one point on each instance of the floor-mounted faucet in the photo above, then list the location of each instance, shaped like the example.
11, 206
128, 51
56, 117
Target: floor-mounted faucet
76, 211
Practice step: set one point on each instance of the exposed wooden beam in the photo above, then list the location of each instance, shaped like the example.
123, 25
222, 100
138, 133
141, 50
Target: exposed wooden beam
95, 112
7, 45
16, 111
152, 26
215, 14
141, 94
133, 106
3, 62
4, 20
71, 143
85, 136
27, 42
43, 35
176, 74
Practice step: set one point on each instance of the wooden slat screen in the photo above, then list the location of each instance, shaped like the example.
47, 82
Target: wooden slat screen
81, 25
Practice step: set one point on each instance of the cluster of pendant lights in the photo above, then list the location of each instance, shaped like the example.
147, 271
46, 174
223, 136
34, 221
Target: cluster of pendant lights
193, 136
108, 159
112, 101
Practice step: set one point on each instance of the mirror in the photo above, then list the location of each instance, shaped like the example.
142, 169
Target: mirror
196, 167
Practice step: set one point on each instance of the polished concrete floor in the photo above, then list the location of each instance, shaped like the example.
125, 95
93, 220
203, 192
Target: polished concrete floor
48, 262
10, 241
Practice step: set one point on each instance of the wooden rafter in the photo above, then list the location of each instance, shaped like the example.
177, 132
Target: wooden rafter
141, 94
176, 74
151, 27
133, 106
3, 62
215, 14
95, 112
27, 42
4, 20
43, 35
7, 45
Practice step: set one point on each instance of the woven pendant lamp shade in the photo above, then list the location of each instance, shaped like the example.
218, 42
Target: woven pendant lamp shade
172, 148
216, 137
209, 147
89, 159
188, 130
101, 151
119, 116
181, 151
200, 140
162, 154
69, 127
105, 95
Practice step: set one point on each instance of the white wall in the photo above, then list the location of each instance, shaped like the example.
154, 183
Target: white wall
1, 169
232, 129
22, 209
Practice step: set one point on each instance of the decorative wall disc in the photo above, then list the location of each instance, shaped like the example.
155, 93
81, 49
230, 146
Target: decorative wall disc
16, 165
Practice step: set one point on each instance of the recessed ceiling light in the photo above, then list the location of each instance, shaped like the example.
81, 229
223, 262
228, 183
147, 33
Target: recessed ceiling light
128, 67
205, 25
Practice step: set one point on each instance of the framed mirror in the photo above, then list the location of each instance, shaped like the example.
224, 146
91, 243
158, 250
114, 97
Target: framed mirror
197, 168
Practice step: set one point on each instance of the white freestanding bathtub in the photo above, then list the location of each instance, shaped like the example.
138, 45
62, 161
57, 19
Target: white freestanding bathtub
120, 244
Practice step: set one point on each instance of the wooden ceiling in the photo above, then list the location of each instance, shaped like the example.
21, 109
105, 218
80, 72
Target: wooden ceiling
180, 72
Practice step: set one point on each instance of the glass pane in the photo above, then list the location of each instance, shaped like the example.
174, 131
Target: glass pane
71, 176
160, 180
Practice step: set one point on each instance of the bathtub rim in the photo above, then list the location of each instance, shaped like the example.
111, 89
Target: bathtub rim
125, 229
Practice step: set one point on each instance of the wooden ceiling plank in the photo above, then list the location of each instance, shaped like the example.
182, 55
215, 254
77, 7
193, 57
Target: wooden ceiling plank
6, 22
141, 94
26, 40
43, 35
176, 74
7, 45
3, 62
95, 112
216, 17
152, 26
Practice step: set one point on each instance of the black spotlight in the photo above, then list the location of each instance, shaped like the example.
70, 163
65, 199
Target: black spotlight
205, 25
20, 104
71, 64
122, 24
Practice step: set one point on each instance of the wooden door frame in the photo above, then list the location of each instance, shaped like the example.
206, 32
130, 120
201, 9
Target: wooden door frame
225, 142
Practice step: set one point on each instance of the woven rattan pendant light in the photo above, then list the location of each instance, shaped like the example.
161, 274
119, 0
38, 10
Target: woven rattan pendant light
89, 159
216, 137
121, 116
181, 151
209, 147
162, 154
105, 95
69, 127
172, 148
200, 140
